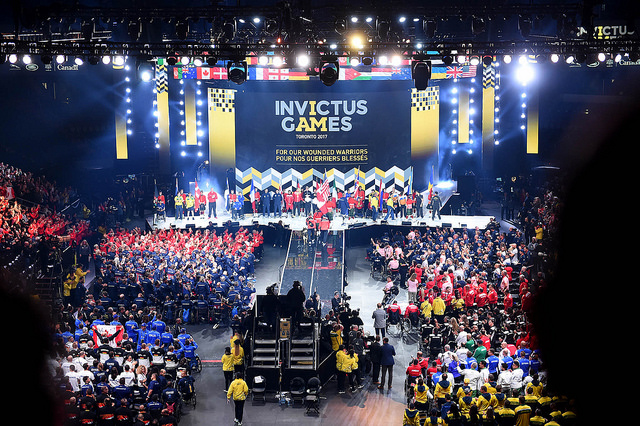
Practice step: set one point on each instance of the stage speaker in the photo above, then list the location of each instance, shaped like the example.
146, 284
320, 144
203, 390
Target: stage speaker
406, 222
446, 225
191, 226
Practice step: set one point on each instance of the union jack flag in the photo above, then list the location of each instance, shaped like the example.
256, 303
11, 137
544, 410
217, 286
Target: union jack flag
454, 72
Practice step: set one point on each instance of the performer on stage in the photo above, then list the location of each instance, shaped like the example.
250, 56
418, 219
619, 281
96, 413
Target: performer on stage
203, 204
190, 205
159, 208
418, 201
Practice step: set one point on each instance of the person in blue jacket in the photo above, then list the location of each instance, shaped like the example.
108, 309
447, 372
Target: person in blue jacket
387, 352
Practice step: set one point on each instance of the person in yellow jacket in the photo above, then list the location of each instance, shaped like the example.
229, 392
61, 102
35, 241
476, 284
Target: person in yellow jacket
69, 286
336, 337
354, 370
443, 387
227, 367
439, 308
426, 308
238, 390
411, 416
237, 352
343, 367
178, 201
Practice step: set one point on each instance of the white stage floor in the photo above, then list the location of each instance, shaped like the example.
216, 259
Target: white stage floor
338, 223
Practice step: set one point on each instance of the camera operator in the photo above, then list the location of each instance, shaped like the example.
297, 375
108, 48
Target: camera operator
271, 307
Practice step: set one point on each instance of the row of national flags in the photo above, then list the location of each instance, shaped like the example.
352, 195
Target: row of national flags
346, 73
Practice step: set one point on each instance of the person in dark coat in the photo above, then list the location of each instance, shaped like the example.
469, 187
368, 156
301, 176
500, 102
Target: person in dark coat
387, 352
375, 355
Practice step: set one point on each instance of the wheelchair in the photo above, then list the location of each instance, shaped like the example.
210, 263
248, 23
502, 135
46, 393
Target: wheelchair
394, 326
377, 269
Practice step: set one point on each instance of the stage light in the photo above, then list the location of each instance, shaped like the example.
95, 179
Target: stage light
383, 60
197, 61
237, 71
369, 19
183, 153
367, 60
354, 62
396, 61
303, 60
329, 70
354, 19
357, 41
402, 19
26, 59
145, 76
157, 145
555, 58
617, 58
263, 60
602, 57
185, 60
119, 60
60, 59
212, 61
461, 59
454, 90
487, 60
506, 59
277, 61
522, 59
199, 153
333, 46
474, 60
421, 73
447, 60
78, 61
569, 59
256, 20
13, 58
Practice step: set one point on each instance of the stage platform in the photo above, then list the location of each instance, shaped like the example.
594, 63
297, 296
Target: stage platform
338, 223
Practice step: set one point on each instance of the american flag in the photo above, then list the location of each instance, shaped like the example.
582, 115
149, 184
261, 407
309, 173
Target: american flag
323, 191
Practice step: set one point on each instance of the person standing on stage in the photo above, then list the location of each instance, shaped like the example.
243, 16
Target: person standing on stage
238, 390
203, 204
266, 203
436, 205
179, 205
373, 205
390, 208
288, 201
277, 203
232, 200
212, 198
190, 205
297, 202
418, 200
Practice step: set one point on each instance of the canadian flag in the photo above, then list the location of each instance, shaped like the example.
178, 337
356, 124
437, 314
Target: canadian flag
204, 73
109, 334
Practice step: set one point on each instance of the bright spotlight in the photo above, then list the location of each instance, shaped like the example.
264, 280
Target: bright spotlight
60, 59
26, 59
277, 61
78, 61
357, 42
13, 58
145, 76
506, 59
118, 60
263, 60
256, 20
402, 19
383, 60
185, 60
354, 62
555, 58
303, 60
524, 74
354, 19
602, 57
106, 59
461, 59
396, 61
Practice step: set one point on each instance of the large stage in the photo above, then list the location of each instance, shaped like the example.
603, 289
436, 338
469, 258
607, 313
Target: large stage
338, 223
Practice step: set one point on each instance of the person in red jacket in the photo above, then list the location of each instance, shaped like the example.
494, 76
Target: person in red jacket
414, 370
288, 202
394, 312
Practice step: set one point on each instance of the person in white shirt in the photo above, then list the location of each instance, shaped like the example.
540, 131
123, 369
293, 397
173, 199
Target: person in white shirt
461, 338
484, 372
475, 380
504, 378
128, 375
516, 378
446, 356
74, 378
